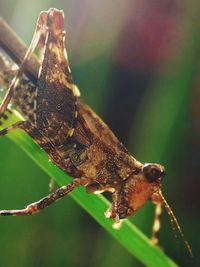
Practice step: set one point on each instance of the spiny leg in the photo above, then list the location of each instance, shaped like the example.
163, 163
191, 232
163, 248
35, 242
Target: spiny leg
59, 193
19, 124
156, 224
40, 26
37, 136
26, 126
30, 129
42, 203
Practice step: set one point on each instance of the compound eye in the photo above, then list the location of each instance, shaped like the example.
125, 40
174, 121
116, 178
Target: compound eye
153, 172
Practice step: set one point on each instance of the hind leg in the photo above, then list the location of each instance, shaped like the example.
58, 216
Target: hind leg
39, 31
44, 202
20, 124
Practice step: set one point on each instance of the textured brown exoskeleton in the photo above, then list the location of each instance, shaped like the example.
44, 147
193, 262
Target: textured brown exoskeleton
74, 137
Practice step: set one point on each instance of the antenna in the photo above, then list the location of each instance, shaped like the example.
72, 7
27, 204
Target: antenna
175, 224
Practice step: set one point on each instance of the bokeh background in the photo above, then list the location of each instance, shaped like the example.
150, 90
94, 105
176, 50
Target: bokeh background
137, 64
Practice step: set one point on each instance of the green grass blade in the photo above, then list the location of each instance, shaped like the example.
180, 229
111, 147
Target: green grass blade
129, 236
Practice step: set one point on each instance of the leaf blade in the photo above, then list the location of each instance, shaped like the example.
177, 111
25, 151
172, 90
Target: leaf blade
131, 238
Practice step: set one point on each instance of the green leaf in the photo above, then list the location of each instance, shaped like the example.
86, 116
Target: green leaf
129, 236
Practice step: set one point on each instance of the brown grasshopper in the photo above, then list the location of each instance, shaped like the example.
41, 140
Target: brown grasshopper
73, 136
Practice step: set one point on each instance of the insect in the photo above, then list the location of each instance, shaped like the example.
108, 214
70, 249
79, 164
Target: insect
73, 136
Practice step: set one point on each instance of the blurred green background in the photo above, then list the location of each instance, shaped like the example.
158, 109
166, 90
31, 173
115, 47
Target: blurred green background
137, 64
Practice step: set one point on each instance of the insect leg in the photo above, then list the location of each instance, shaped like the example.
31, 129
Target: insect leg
36, 38
19, 124
156, 224
33, 132
44, 202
